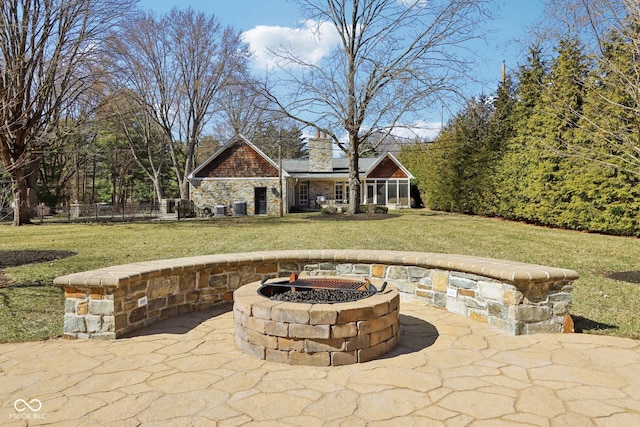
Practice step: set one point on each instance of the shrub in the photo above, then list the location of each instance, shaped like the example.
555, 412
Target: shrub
373, 209
329, 210
381, 210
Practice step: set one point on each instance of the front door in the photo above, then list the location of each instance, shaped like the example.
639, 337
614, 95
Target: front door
261, 200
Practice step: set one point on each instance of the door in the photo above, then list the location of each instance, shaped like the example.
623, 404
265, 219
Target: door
261, 200
370, 193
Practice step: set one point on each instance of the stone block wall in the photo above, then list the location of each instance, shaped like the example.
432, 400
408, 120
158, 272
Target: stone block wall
316, 334
533, 309
324, 189
112, 312
515, 297
212, 193
320, 154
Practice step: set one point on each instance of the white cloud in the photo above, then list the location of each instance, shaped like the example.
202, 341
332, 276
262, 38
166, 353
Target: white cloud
310, 43
425, 131
411, 3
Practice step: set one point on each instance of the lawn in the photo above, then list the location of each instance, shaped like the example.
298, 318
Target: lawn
31, 308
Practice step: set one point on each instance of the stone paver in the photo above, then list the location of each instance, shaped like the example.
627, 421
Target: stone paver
447, 371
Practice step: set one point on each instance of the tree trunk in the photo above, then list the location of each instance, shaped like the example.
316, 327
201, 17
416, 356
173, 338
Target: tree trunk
354, 181
184, 189
157, 185
20, 197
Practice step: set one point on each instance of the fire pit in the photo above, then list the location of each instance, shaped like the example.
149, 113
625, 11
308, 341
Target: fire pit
318, 290
319, 321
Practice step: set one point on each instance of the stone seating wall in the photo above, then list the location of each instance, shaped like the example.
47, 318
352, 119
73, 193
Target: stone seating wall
519, 298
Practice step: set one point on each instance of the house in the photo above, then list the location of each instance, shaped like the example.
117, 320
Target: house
240, 177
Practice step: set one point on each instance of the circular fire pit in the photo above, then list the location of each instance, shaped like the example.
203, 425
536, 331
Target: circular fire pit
321, 334
318, 290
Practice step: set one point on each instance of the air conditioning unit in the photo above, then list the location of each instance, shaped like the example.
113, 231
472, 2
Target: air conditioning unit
221, 210
239, 208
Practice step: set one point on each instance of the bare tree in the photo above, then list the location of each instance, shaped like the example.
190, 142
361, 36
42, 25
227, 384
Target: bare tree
241, 108
5, 193
146, 140
393, 60
48, 49
177, 66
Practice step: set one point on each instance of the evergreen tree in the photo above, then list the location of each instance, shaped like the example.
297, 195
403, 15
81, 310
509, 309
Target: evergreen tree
267, 138
457, 173
552, 123
416, 158
513, 187
501, 130
606, 194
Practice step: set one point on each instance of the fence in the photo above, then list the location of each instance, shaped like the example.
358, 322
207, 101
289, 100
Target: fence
169, 209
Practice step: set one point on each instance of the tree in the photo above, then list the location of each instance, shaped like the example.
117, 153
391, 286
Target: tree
393, 59
271, 139
458, 171
242, 109
123, 115
610, 32
178, 67
553, 121
60, 164
48, 52
518, 153
5, 193
458, 162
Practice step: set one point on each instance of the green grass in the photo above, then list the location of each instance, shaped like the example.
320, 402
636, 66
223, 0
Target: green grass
33, 309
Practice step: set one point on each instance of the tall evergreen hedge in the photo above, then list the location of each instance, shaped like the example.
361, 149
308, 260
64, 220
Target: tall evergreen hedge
561, 147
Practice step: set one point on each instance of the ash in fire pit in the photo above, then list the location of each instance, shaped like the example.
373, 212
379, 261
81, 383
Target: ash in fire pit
327, 290
320, 295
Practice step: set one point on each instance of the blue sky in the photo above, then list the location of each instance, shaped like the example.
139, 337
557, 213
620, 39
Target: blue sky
266, 20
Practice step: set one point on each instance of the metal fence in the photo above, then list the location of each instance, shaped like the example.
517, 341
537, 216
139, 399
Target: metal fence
105, 212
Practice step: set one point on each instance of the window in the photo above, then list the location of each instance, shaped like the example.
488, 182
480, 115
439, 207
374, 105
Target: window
404, 193
339, 194
304, 194
393, 192
342, 192
381, 190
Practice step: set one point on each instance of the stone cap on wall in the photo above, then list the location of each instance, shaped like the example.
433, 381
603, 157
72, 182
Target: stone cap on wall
513, 272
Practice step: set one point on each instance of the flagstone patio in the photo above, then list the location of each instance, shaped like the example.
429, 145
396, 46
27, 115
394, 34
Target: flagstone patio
448, 370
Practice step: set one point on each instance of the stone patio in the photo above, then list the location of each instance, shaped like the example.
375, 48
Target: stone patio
448, 370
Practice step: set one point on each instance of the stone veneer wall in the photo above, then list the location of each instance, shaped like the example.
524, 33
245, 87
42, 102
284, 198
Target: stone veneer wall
516, 297
224, 192
324, 189
316, 334
320, 154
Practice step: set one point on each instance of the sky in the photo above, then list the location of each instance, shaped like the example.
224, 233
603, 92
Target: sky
269, 21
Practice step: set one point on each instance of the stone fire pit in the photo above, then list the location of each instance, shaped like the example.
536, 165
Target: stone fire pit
316, 334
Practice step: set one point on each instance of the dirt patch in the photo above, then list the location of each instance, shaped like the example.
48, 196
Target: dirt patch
17, 258
624, 276
346, 217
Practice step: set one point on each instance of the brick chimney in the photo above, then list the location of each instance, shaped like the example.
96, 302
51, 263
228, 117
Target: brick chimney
320, 153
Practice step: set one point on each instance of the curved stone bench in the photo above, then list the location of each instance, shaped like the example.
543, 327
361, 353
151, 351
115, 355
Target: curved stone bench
517, 297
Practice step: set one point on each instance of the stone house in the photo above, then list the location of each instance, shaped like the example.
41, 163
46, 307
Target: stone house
240, 179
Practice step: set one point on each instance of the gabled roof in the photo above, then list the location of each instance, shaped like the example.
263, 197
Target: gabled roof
299, 168
379, 160
226, 149
296, 168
